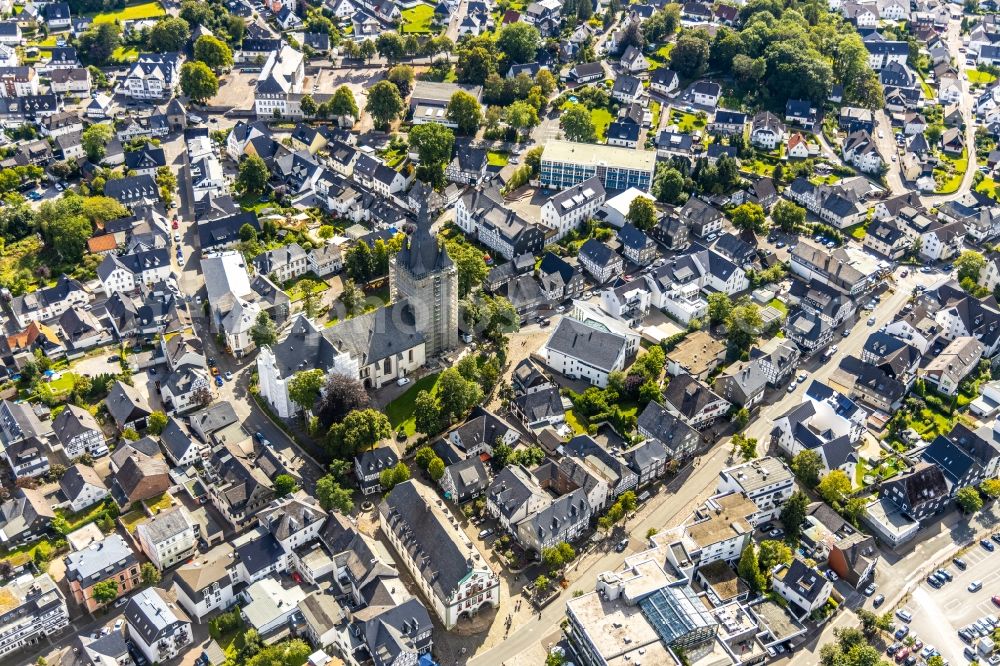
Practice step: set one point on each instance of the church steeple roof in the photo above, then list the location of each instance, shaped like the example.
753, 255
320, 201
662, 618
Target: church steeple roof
421, 253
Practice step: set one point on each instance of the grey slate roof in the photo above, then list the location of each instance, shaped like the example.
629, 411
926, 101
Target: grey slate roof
669, 430
406, 509
77, 478
577, 340
126, 404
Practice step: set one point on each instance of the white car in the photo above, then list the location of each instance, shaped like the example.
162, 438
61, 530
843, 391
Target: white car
402, 381
119, 624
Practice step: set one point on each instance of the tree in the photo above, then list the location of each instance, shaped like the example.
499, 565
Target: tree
150, 574
807, 466
424, 456
433, 143
834, 487
402, 77
968, 499
772, 553
95, 140
264, 332
749, 568
392, 477
309, 106
746, 447
650, 365
304, 387
668, 184
384, 104
750, 216
464, 111
436, 469
213, 52
990, 488
662, 24
352, 297
343, 106
68, 236
198, 81
743, 325
793, 513
933, 134
472, 269
519, 42
156, 422
787, 215
98, 44
456, 395
427, 414
577, 124
253, 175
106, 591
284, 485
642, 213
969, 265
522, 117
541, 583
719, 307
340, 396
360, 430
170, 33
689, 57
332, 497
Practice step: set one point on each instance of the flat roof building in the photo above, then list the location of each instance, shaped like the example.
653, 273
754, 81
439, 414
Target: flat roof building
566, 164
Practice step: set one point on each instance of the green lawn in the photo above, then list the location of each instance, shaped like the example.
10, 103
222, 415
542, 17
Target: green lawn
125, 54
686, 122
133, 519
417, 19
253, 202
400, 410
132, 12
977, 77
928, 91
573, 422
601, 119
58, 388
953, 178
497, 158
78, 520
159, 503
987, 186
296, 294
779, 306
660, 57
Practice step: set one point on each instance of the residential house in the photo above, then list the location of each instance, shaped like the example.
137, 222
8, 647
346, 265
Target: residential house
108, 559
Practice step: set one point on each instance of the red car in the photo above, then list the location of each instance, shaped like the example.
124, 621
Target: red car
996, 599
296, 577
175, 225
902, 654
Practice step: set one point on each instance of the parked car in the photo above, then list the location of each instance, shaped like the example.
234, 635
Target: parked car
485, 532
975, 586
218, 381
902, 632
402, 381
878, 600
621, 546
987, 544
904, 615
121, 602
960, 563
871, 321
870, 590
832, 575
229, 376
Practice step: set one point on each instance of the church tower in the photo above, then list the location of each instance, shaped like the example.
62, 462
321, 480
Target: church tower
424, 275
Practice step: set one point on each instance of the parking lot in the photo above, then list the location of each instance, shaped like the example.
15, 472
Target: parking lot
938, 614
